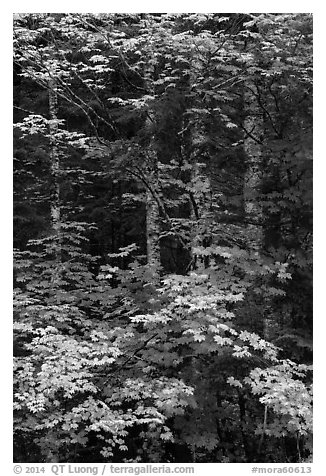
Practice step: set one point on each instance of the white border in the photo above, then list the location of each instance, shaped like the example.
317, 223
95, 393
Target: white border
318, 468
170, 6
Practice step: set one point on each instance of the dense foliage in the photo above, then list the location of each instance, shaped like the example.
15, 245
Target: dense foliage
163, 235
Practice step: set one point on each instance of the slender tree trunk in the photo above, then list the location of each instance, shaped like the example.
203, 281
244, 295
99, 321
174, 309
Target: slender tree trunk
152, 207
55, 172
153, 224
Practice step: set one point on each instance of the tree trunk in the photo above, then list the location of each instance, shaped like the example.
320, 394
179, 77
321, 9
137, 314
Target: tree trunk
55, 173
153, 226
252, 182
200, 196
200, 211
254, 126
152, 207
